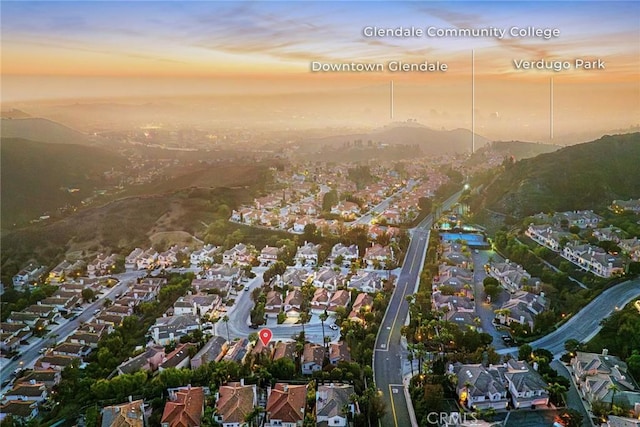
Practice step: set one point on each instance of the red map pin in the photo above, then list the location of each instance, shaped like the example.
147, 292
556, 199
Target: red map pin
265, 336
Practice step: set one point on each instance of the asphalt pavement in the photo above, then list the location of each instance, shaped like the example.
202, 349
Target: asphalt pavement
388, 354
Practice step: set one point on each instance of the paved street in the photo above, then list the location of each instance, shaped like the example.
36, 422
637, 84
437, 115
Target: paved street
59, 333
387, 358
586, 323
239, 320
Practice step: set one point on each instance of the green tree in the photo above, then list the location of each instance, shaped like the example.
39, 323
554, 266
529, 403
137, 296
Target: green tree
88, 295
524, 352
225, 319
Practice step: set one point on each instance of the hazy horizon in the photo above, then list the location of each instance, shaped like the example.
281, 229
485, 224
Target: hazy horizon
257, 56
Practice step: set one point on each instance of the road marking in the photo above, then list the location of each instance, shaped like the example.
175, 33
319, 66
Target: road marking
395, 319
393, 407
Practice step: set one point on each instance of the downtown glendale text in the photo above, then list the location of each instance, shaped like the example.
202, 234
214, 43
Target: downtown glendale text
377, 67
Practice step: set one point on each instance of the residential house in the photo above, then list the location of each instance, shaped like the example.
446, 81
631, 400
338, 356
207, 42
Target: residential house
71, 349
582, 219
237, 351
171, 328
213, 351
480, 388
196, 305
521, 308
378, 256
130, 414
235, 402
57, 363
548, 236
333, 403
631, 205
27, 391
19, 410
238, 255
131, 260
631, 247
328, 278
11, 333
102, 265
613, 234
285, 349
307, 255
366, 281
269, 255
149, 360
312, 358
273, 304
48, 377
286, 405
320, 300
526, 386
513, 277
147, 260
203, 256
346, 209
361, 305
340, 298
596, 374
594, 259
339, 352
29, 274
293, 303
345, 254
179, 357
184, 408
63, 270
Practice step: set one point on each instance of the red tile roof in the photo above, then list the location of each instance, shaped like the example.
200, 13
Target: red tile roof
287, 402
186, 409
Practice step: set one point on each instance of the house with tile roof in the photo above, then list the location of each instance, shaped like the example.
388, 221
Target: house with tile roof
184, 408
339, 352
363, 303
286, 405
128, 414
213, 351
526, 386
312, 358
479, 387
595, 374
28, 391
23, 410
234, 402
150, 360
333, 404
284, 349
179, 357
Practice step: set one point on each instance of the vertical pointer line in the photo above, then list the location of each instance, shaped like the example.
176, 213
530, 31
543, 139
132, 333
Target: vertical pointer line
473, 101
391, 99
551, 108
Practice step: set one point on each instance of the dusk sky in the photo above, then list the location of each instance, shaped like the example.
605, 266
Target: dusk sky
93, 49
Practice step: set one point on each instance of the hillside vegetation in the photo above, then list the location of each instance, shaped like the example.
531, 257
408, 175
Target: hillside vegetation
584, 176
42, 130
40, 177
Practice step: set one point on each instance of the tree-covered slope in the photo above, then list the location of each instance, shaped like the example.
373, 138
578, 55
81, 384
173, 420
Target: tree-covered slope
584, 176
39, 177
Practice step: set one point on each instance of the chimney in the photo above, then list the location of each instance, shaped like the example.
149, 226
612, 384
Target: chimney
535, 366
242, 382
286, 388
130, 399
605, 351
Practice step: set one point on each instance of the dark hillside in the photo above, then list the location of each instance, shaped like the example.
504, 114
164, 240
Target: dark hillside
584, 176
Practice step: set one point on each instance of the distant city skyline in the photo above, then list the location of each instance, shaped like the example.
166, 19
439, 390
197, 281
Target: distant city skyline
76, 50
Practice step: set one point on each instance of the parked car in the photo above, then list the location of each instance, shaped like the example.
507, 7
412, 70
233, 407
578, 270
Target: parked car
334, 327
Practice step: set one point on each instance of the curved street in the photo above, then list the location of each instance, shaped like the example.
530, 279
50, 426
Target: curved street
585, 324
